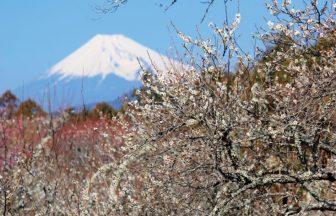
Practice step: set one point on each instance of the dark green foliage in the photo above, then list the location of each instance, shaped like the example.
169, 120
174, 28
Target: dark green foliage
30, 108
103, 109
8, 104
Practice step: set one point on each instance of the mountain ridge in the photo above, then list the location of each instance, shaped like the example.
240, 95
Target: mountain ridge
107, 54
103, 69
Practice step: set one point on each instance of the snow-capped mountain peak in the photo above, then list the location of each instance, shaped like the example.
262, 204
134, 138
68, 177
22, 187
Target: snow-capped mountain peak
109, 54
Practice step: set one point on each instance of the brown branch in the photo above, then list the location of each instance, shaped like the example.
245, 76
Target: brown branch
275, 179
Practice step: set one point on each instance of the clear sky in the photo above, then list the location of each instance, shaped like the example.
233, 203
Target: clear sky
36, 34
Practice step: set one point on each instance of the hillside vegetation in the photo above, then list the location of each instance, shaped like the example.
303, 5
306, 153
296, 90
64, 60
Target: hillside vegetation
228, 135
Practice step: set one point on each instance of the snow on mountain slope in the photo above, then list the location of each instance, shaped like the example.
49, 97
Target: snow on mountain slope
104, 69
109, 54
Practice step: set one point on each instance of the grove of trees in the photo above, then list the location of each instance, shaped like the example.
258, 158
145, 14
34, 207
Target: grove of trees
231, 134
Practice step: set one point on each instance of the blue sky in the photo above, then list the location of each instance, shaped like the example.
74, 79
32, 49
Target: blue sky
36, 34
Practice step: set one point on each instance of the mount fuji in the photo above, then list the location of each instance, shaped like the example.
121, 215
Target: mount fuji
104, 69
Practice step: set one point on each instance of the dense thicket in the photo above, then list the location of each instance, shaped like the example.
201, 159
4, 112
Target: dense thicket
255, 139
258, 141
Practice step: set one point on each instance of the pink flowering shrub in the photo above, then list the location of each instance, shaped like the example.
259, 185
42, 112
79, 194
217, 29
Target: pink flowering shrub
210, 139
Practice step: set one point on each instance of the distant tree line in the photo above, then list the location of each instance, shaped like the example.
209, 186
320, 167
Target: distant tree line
10, 106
